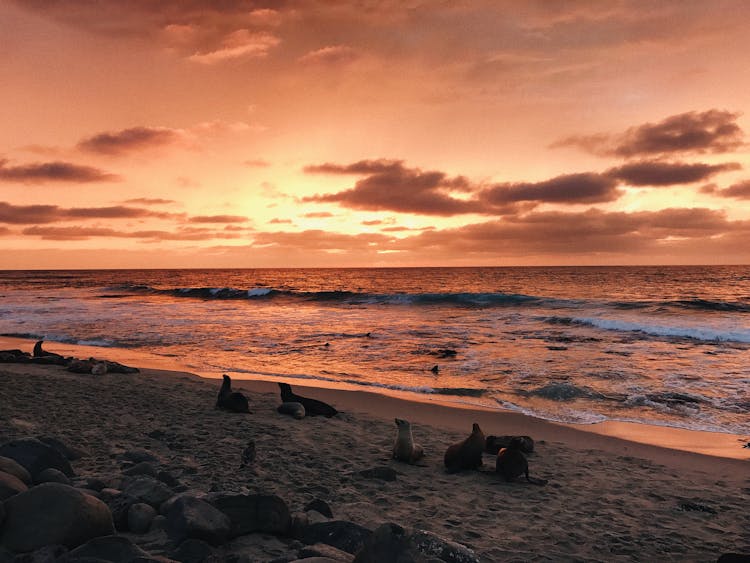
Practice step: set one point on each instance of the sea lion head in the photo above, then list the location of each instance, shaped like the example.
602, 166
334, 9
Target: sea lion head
226, 378
400, 422
475, 429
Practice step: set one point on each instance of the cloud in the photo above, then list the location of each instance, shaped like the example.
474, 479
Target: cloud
712, 131
390, 186
277, 221
318, 215
567, 189
149, 201
129, 140
218, 219
239, 44
741, 190
257, 163
27, 214
331, 55
84, 233
56, 171
660, 173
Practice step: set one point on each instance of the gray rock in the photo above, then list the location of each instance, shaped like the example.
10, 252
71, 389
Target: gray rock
137, 456
53, 513
46, 554
35, 456
140, 516
142, 468
143, 488
117, 549
253, 513
95, 484
320, 506
347, 536
119, 505
325, 550
10, 485
433, 545
52, 475
70, 452
158, 523
389, 542
189, 517
193, 551
14, 468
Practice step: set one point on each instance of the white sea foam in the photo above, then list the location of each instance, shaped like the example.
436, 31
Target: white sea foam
696, 333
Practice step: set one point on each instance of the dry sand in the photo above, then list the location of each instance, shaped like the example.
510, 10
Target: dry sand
608, 499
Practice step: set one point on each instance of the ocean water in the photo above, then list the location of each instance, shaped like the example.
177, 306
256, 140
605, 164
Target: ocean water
658, 345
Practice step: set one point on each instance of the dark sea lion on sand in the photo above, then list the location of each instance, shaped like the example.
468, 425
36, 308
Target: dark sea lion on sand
313, 407
40, 353
466, 454
511, 463
229, 400
494, 444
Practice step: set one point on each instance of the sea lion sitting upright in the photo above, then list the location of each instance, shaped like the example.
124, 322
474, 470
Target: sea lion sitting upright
466, 454
495, 443
40, 353
404, 448
313, 407
511, 463
231, 400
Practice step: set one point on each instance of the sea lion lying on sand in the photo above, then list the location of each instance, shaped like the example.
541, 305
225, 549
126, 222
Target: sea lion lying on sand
404, 448
494, 444
313, 407
466, 454
511, 463
229, 400
297, 410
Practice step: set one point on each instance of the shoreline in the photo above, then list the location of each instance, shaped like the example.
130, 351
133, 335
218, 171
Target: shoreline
664, 444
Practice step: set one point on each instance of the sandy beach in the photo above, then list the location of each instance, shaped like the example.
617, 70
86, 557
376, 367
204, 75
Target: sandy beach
610, 497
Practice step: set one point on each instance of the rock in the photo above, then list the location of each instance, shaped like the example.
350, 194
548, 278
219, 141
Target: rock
137, 456
253, 513
10, 485
158, 523
347, 536
53, 513
46, 554
432, 545
193, 551
300, 521
140, 516
167, 504
320, 506
52, 475
14, 468
117, 549
143, 488
389, 542
384, 473
35, 456
95, 484
2, 513
734, 558
70, 452
189, 517
119, 506
142, 468
315, 560
325, 550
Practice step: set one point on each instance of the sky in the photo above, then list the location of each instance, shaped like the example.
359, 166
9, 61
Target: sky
333, 133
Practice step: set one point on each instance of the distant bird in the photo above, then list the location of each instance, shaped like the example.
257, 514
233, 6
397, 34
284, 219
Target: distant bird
746, 445
248, 454
435, 369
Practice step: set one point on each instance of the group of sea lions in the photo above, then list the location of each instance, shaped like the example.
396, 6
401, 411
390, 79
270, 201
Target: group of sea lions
41, 356
510, 461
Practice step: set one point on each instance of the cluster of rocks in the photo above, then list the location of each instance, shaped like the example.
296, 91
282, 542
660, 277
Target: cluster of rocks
75, 365
48, 513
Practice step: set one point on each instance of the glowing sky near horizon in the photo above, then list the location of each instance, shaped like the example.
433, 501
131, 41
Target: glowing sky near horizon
373, 133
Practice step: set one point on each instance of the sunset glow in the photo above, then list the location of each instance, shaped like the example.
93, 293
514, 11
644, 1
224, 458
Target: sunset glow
373, 133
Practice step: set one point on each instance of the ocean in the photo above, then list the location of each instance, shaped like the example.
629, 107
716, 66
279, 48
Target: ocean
656, 345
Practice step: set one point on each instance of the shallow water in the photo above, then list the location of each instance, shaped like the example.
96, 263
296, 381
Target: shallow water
658, 345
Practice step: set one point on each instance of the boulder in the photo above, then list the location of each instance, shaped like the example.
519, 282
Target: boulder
253, 513
320, 506
35, 456
435, 546
46, 554
117, 549
389, 542
137, 456
143, 488
53, 513
14, 468
142, 468
10, 485
189, 517
140, 516
52, 475
70, 452
193, 551
324, 550
347, 536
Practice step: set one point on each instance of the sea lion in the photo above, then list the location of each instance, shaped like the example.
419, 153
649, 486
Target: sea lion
511, 463
229, 400
40, 353
494, 444
404, 448
313, 407
99, 368
466, 454
297, 410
